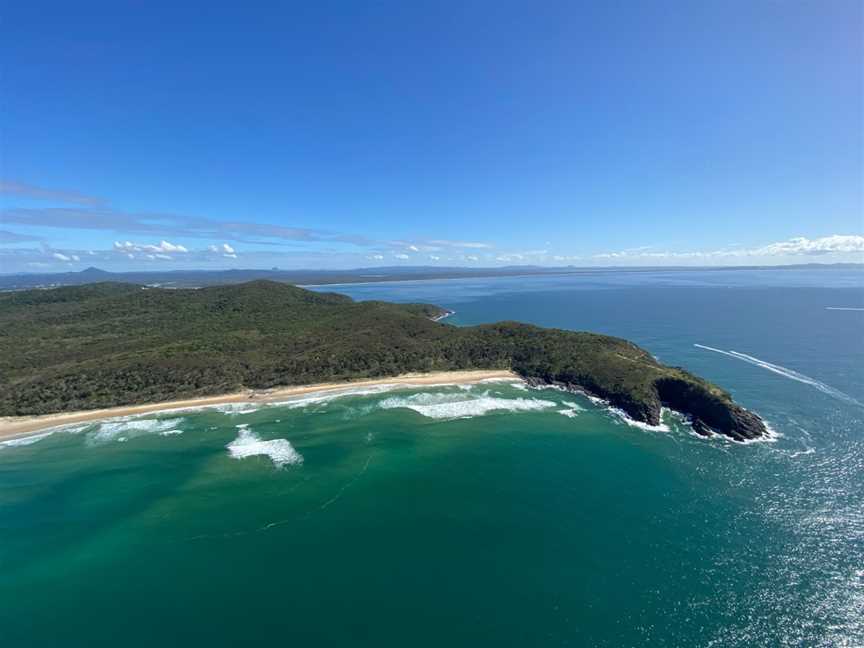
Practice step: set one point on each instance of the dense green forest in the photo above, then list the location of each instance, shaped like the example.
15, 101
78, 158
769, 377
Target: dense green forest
108, 344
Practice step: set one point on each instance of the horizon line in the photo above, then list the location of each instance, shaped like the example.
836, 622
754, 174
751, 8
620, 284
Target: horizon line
445, 268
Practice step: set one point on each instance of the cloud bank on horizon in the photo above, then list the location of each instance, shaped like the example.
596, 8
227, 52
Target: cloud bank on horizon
36, 239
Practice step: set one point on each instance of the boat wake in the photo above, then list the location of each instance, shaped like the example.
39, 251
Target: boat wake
791, 374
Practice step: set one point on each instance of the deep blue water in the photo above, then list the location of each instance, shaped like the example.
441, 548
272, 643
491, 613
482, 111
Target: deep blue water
782, 317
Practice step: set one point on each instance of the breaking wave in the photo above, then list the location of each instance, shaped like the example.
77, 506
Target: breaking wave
453, 406
249, 444
25, 440
786, 373
324, 397
19, 442
125, 429
236, 408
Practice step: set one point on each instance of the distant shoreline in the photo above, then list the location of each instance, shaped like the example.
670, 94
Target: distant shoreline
20, 426
15, 281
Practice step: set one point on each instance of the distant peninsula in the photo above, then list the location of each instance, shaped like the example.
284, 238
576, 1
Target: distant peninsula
104, 345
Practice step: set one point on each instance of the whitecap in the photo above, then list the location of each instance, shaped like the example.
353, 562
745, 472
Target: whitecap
249, 444
802, 453
570, 413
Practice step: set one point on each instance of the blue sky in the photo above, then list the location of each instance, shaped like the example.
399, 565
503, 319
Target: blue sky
344, 134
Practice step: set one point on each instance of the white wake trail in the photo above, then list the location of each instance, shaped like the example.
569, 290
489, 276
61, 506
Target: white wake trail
786, 373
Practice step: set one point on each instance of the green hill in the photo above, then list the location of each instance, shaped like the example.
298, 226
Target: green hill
108, 344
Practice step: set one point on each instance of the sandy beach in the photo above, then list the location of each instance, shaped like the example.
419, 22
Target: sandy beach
17, 426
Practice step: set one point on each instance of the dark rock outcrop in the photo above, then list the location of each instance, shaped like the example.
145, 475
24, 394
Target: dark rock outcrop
708, 412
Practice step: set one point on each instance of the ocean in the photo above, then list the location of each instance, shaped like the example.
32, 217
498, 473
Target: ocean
483, 515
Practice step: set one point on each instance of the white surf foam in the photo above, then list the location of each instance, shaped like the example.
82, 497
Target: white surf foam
249, 444
452, 406
771, 435
69, 428
235, 409
596, 400
323, 397
786, 373
573, 409
126, 428
572, 405
24, 441
503, 379
622, 415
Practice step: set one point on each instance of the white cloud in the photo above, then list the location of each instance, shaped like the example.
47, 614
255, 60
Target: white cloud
471, 257
61, 257
824, 245
165, 246
798, 246
402, 257
413, 248
225, 250
162, 247
432, 257
376, 257
463, 244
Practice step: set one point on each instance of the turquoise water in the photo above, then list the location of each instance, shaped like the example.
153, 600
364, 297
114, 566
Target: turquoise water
489, 515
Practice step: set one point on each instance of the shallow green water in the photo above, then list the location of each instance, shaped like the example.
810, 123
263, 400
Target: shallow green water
490, 515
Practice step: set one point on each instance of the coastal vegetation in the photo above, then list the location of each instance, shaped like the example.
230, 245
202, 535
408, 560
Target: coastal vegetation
109, 344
